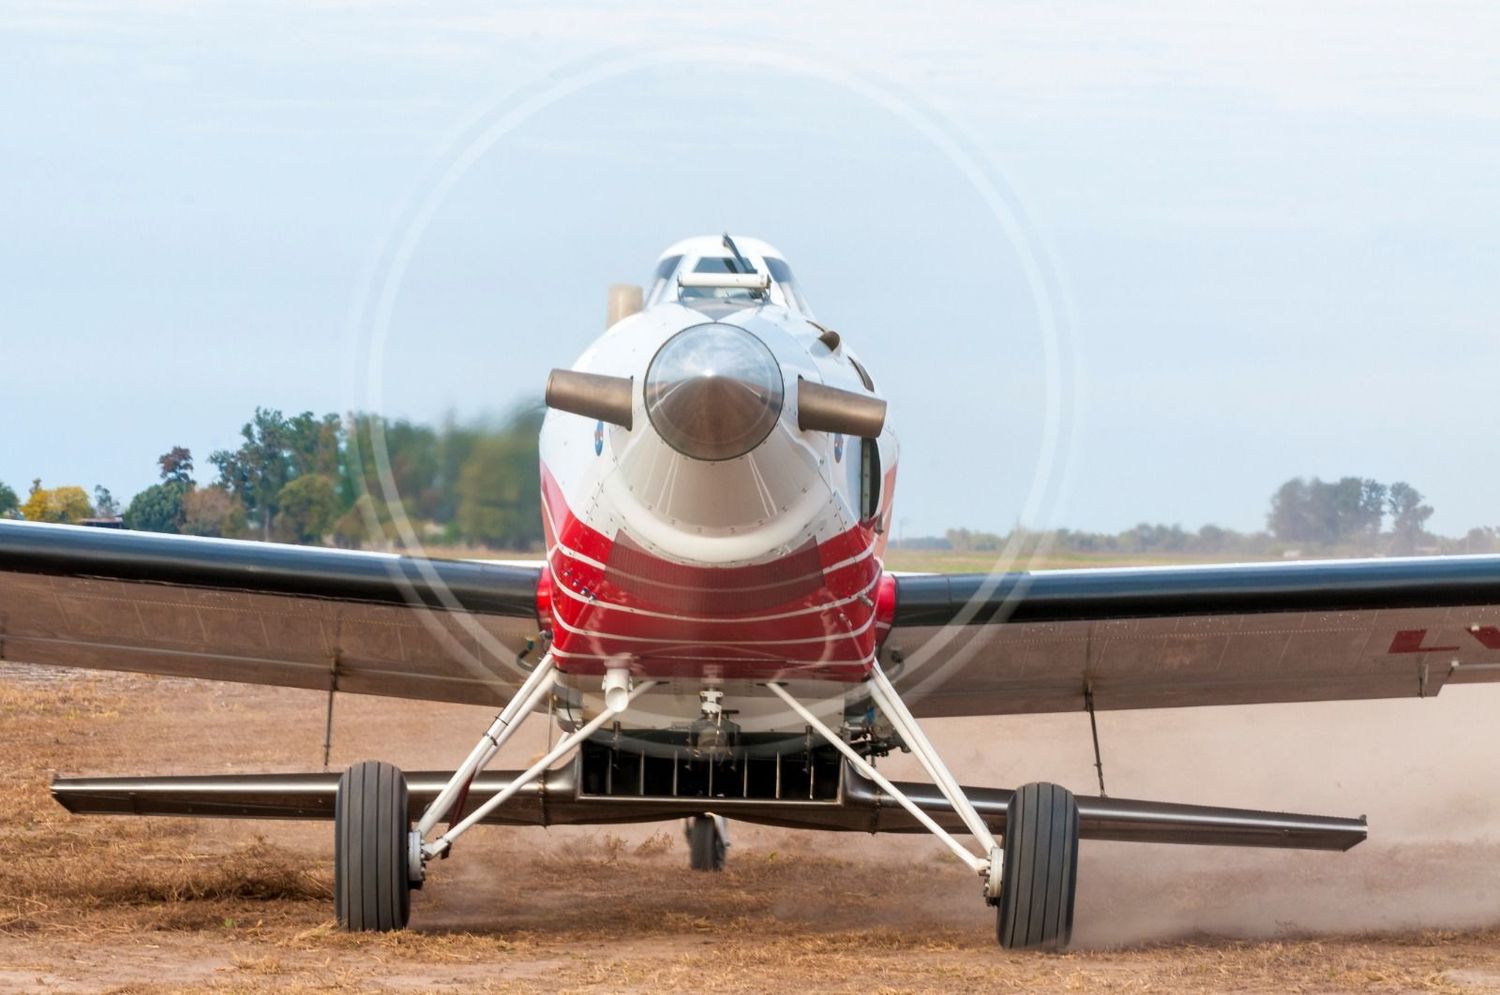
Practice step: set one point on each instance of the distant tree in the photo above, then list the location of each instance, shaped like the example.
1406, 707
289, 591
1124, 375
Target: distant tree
413, 455
1358, 507
1291, 518
105, 505
158, 508
1372, 507
422, 468
1147, 538
969, 541
10, 503
455, 444
176, 465
1349, 510
1214, 539
1409, 517
313, 444
1483, 539
262, 465
416, 471
212, 511
60, 504
307, 508
499, 503
363, 524
73, 504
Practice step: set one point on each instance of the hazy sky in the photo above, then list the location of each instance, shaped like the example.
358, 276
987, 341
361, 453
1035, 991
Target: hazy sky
1273, 230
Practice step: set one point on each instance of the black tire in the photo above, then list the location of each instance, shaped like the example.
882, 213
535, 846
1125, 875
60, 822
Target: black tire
706, 847
1040, 879
371, 887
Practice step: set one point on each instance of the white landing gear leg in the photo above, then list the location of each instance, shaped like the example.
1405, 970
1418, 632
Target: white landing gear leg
990, 864
1032, 880
617, 694
888, 700
986, 867
451, 798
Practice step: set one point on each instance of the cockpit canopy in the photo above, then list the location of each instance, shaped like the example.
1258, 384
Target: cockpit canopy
707, 254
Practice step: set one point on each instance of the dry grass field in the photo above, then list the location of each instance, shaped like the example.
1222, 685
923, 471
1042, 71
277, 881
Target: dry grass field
97, 904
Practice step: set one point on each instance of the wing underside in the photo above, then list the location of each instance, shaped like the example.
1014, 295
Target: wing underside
263, 613
959, 644
1162, 637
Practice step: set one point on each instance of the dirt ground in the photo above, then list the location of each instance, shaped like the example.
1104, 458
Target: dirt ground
122, 904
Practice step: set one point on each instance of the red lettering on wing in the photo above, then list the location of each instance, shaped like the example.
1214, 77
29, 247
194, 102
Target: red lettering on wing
1410, 641
1488, 636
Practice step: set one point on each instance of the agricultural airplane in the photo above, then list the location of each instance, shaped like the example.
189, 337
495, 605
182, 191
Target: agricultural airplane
715, 633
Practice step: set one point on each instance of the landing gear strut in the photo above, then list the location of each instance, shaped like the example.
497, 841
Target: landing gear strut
379, 857
1033, 877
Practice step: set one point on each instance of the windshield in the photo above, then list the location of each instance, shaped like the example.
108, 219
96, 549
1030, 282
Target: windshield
664, 271
782, 274
717, 264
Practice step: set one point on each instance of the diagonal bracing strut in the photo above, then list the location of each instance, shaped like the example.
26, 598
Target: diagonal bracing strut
537, 684
989, 865
911, 733
977, 864
564, 746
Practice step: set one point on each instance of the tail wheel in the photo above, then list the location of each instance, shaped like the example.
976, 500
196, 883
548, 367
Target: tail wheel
706, 844
371, 886
625, 299
1040, 877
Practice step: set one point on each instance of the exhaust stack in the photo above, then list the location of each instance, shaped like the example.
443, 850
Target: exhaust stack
828, 409
591, 395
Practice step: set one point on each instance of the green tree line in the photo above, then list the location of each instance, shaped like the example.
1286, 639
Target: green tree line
1350, 516
363, 479
356, 481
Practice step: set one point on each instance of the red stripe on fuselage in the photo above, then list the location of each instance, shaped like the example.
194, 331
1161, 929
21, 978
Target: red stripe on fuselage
810, 614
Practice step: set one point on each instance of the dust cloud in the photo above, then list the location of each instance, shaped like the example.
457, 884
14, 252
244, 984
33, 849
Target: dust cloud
1424, 771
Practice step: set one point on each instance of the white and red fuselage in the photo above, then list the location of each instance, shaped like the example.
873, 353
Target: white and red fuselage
714, 539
